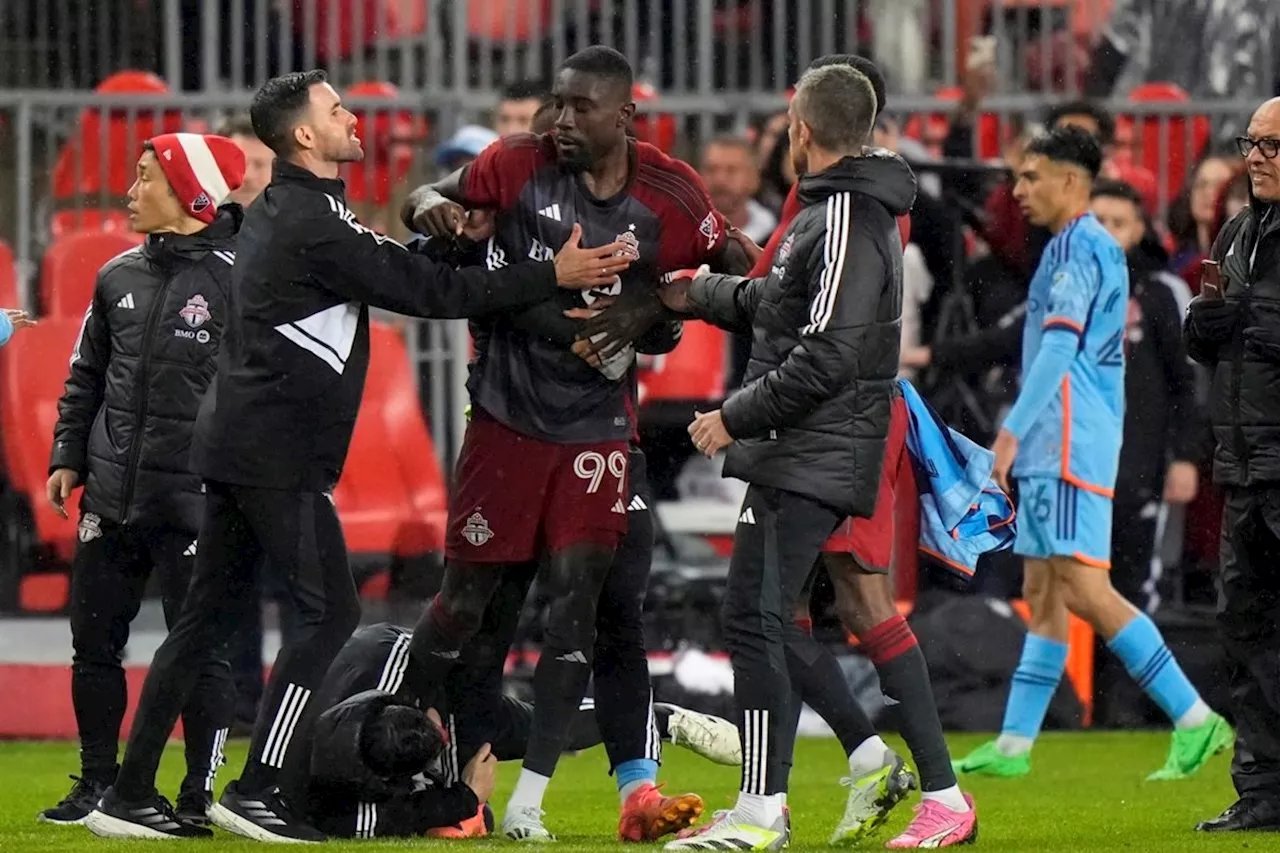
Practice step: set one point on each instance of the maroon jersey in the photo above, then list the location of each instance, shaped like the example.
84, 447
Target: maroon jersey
523, 381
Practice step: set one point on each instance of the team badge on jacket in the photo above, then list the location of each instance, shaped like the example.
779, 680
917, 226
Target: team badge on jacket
476, 530
196, 311
90, 527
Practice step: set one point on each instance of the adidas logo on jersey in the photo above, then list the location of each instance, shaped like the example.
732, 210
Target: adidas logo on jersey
572, 657
126, 301
551, 211
191, 549
637, 504
748, 516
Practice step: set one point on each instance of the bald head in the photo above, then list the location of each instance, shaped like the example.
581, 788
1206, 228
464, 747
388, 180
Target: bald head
1264, 133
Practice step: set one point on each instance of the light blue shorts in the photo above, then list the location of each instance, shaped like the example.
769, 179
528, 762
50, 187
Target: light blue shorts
1057, 519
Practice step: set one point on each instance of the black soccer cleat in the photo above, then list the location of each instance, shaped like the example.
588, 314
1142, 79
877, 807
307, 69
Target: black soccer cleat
151, 818
193, 807
75, 806
262, 816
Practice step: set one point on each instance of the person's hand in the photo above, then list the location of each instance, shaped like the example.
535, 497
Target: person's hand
1181, 483
708, 433
434, 215
582, 269
628, 316
979, 69
674, 292
753, 252
1263, 343
62, 483
1214, 320
19, 318
481, 773
480, 225
916, 357
1006, 449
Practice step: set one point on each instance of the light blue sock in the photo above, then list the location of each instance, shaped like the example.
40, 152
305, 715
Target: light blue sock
634, 773
1034, 682
1146, 657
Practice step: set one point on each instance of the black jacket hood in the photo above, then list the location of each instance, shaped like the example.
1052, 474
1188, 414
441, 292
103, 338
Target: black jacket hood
336, 758
878, 173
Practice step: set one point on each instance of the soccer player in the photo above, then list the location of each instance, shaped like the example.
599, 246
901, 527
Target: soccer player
1062, 440
550, 429
272, 438
807, 430
146, 354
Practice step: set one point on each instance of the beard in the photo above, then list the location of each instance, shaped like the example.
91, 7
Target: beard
576, 163
343, 150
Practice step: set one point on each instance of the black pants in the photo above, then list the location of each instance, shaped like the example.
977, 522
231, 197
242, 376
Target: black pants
1134, 572
244, 651
1249, 616
301, 538
778, 539
108, 580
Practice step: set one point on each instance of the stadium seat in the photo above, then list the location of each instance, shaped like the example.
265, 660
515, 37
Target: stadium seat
65, 222
9, 297
389, 142
931, 129
508, 20
386, 495
70, 269
34, 370
380, 20
694, 371
657, 129
99, 160
1166, 145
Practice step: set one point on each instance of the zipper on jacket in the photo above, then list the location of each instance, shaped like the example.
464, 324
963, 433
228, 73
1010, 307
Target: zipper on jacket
144, 362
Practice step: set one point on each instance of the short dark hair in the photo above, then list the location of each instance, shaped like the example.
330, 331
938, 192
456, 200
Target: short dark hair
858, 63
399, 741
1107, 188
602, 61
836, 102
1106, 124
277, 105
236, 124
1072, 145
523, 90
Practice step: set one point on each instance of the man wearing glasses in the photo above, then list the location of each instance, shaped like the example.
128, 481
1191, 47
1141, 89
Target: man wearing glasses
1233, 328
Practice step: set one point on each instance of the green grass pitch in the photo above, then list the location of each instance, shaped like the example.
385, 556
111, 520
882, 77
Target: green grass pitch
1086, 794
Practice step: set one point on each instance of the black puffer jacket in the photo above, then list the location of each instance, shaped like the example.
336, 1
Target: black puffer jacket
1244, 399
813, 411
145, 356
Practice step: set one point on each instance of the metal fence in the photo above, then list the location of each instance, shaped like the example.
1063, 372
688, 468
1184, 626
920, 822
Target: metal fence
67, 153
680, 46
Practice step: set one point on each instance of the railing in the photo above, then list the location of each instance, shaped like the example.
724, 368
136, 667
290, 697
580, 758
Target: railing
681, 46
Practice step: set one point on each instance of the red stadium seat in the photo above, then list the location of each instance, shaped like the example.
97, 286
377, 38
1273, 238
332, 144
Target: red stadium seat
1165, 145
100, 160
9, 297
508, 20
70, 269
391, 487
694, 370
931, 129
389, 143
657, 129
65, 222
34, 370
379, 21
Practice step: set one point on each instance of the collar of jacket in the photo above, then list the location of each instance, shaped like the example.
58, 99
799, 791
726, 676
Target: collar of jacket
284, 172
219, 234
878, 173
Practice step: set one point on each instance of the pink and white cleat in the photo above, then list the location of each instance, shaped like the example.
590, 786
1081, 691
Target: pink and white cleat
934, 825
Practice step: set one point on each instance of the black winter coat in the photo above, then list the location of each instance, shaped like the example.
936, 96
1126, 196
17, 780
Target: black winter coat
813, 412
145, 356
1244, 399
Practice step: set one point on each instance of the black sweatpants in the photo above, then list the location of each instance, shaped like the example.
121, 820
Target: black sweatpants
108, 580
299, 534
777, 541
1249, 617
1133, 548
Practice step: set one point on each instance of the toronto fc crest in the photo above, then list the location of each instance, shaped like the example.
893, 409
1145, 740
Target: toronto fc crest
196, 311
476, 530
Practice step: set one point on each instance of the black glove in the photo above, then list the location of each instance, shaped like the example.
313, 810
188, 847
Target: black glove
1263, 343
1214, 320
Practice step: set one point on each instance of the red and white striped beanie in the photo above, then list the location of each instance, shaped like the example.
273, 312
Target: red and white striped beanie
202, 169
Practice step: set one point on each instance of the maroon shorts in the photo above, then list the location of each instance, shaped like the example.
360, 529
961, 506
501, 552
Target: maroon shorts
870, 540
516, 497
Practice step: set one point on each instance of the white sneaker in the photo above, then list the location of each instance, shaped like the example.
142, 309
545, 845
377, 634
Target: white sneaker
871, 798
524, 823
726, 833
714, 738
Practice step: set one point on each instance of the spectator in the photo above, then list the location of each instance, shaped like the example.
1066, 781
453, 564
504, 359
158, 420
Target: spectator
1192, 214
1235, 331
465, 146
732, 174
516, 107
257, 158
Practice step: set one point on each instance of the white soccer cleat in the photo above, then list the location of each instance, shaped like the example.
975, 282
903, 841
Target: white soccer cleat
726, 833
714, 738
524, 823
871, 798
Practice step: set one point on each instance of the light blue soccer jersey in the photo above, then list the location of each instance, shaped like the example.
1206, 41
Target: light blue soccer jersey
1081, 287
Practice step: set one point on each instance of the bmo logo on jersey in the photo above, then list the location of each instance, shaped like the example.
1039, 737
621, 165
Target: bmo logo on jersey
541, 252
